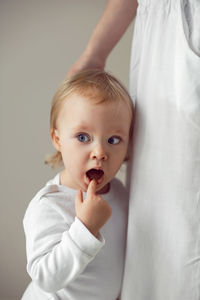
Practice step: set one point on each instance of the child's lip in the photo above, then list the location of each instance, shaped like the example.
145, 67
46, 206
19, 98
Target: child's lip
100, 180
96, 168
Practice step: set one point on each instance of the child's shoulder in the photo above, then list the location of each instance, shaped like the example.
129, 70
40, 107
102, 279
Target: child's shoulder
119, 192
118, 186
52, 199
117, 198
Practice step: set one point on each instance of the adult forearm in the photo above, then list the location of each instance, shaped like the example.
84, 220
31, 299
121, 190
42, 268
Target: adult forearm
116, 17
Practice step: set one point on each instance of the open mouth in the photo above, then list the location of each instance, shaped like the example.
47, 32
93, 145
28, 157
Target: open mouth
95, 174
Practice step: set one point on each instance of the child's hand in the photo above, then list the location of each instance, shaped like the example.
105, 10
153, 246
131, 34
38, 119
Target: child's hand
94, 211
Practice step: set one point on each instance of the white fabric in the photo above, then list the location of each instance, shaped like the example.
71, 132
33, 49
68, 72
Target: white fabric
65, 261
163, 252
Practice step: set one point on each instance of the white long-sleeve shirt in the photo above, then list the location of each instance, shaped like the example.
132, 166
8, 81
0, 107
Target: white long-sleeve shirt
65, 261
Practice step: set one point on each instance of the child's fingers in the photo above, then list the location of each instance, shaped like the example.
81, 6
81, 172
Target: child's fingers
92, 187
79, 198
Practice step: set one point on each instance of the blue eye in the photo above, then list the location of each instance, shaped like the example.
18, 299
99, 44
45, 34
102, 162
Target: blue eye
83, 137
114, 140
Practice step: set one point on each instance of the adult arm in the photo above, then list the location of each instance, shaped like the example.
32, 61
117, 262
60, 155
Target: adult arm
116, 18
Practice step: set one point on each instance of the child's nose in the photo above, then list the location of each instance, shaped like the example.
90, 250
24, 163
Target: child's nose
99, 153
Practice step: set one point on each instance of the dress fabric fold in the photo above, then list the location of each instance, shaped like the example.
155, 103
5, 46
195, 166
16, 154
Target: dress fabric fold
163, 250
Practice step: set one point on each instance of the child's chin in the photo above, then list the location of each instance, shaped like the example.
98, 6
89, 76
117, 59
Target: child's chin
103, 189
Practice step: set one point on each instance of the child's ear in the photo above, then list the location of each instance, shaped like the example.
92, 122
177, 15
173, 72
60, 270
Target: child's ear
55, 138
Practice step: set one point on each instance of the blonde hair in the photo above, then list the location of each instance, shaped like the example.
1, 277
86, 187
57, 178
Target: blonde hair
98, 86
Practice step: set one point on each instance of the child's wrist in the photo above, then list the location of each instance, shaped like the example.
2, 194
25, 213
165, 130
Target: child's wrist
92, 230
95, 233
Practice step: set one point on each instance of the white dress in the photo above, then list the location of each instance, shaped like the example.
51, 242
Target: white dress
163, 251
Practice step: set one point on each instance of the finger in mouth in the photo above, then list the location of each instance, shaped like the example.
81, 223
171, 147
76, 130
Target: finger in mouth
94, 174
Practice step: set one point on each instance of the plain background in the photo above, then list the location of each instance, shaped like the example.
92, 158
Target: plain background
40, 40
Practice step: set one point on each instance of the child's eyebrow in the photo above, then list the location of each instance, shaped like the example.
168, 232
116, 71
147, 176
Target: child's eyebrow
85, 127
119, 131
79, 127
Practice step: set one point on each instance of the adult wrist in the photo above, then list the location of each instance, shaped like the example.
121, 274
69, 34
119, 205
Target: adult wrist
95, 57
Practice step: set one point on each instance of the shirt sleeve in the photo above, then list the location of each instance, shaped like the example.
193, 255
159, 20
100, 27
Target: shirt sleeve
56, 252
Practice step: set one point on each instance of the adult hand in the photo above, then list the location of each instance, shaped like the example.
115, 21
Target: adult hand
84, 62
94, 211
114, 21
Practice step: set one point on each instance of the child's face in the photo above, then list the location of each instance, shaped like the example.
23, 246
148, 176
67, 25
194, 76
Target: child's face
91, 136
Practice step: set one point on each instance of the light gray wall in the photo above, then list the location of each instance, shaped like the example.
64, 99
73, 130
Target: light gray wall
40, 39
